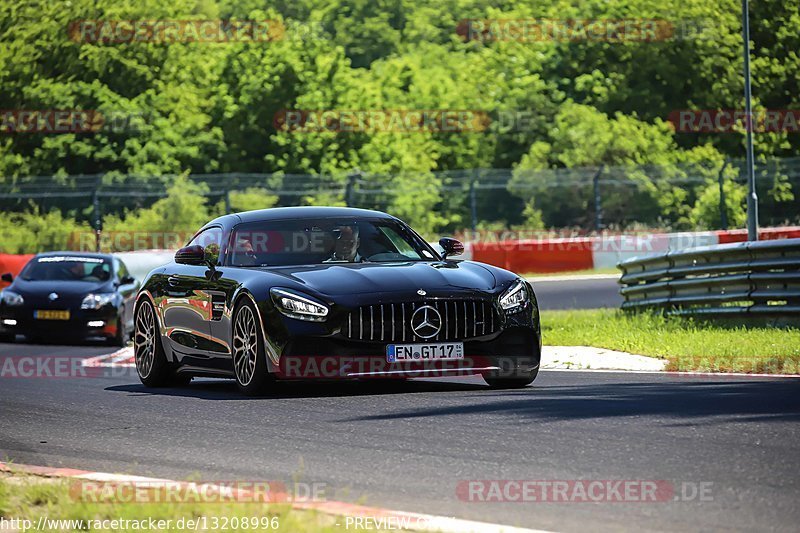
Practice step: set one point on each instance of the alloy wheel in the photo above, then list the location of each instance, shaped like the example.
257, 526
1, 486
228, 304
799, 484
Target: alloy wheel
145, 340
245, 345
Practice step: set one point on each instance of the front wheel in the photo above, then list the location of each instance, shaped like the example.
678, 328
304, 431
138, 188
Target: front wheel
249, 361
515, 382
151, 362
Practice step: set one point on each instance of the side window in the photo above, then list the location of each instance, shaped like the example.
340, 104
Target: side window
211, 240
122, 270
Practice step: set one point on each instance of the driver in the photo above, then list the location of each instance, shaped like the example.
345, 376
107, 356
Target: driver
245, 253
346, 245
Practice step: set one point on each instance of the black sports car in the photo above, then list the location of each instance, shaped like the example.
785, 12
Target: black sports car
69, 295
331, 293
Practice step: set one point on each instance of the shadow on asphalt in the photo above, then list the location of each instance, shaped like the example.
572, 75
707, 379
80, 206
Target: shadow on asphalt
226, 389
762, 401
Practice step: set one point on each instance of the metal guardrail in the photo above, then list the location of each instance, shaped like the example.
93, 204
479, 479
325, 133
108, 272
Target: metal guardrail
750, 278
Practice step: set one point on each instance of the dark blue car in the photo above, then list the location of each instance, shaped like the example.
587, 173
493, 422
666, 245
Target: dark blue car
69, 295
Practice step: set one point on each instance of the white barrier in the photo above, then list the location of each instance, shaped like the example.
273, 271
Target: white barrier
141, 262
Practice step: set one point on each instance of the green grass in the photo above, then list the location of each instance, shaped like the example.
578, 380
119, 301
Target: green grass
687, 344
29, 497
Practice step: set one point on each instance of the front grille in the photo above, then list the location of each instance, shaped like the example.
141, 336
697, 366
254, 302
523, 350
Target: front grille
391, 322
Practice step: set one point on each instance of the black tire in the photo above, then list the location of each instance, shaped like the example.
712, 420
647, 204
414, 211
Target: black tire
35, 338
516, 382
151, 362
247, 350
120, 338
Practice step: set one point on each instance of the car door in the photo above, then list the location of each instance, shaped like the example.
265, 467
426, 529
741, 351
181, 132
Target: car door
222, 286
187, 306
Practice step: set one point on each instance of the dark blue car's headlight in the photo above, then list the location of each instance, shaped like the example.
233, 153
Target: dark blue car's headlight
96, 301
11, 298
515, 298
298, 306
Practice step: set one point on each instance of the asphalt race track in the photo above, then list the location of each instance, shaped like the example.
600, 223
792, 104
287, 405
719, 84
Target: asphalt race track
408, 445
577, 294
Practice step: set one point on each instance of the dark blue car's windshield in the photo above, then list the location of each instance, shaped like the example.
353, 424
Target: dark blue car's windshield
67, 268
309, 242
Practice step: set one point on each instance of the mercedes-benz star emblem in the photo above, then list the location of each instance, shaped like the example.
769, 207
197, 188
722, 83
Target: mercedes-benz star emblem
53, 296
426, 322
421, 292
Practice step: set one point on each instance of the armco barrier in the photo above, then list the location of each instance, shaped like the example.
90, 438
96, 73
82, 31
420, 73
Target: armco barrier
750, 278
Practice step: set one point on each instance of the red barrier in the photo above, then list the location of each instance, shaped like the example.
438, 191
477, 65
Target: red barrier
556, 255
12, 263
764, 234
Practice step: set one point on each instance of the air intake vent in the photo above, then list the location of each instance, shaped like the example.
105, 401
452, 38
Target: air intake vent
460, 320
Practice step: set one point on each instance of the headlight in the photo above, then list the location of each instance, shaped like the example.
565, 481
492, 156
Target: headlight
11, 298
96, 301
515, 298
296, 306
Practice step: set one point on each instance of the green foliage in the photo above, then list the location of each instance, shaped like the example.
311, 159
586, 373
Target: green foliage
706, 211
250, 199
533, 217
183, 209
35, 498
554, 105
32, 231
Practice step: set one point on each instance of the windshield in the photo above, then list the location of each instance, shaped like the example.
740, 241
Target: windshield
67, 268
309, 242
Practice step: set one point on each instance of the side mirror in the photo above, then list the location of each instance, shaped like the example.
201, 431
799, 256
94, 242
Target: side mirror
451, 246
7, 277
127, 280
190, 255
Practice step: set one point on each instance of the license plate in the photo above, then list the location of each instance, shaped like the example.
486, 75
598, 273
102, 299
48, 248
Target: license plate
398, 353
49, 314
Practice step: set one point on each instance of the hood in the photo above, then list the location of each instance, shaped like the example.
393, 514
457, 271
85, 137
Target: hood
64, 289
433, 277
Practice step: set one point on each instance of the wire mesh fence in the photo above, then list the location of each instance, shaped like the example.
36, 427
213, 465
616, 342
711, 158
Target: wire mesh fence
589, 198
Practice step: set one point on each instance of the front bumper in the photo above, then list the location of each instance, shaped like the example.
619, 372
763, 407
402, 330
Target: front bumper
82, 323
325, 350
514, 352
